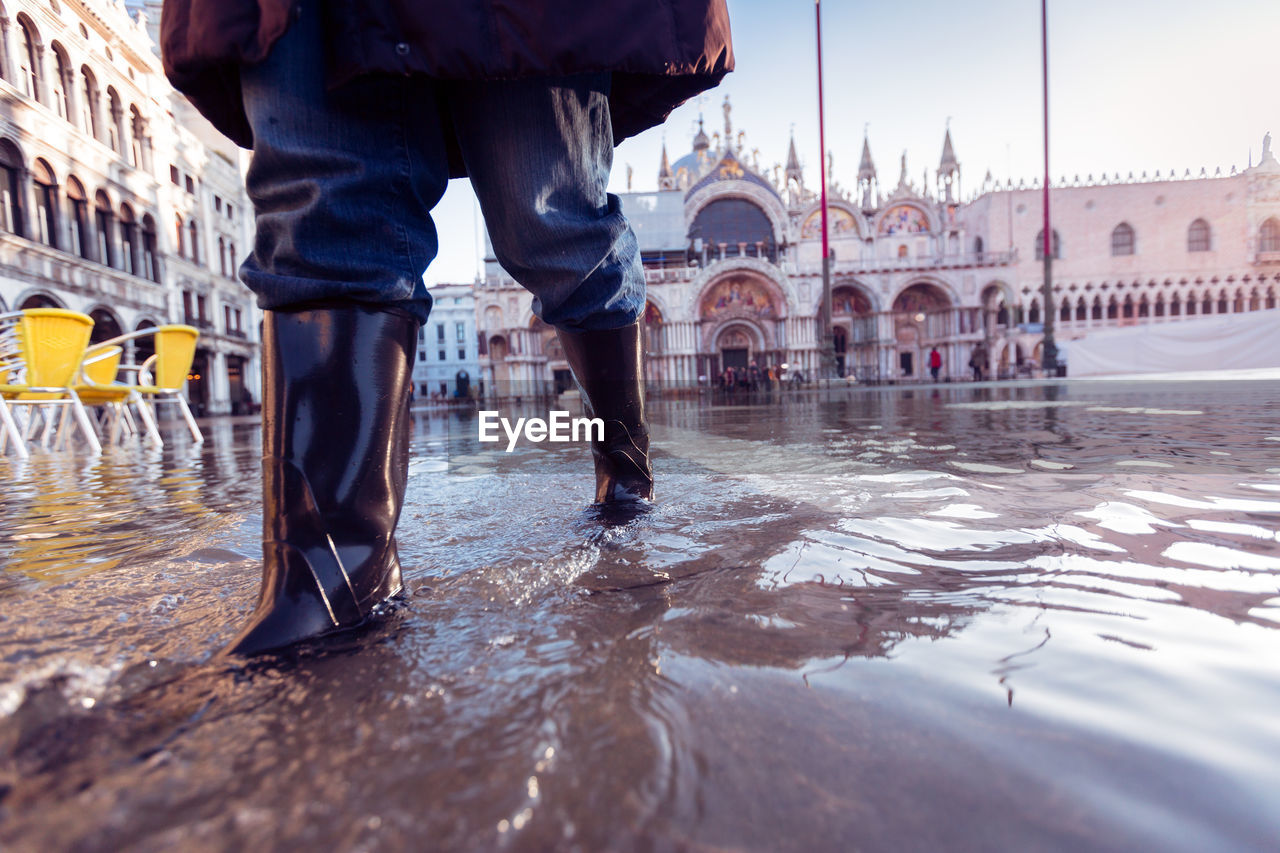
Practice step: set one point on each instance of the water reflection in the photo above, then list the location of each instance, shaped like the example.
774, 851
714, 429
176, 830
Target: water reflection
852, 619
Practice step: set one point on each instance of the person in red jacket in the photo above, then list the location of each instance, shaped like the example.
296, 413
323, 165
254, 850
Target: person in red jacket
358, 112
935, 362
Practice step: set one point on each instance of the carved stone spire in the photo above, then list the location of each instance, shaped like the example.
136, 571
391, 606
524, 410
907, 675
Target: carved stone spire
794, 172
666, 180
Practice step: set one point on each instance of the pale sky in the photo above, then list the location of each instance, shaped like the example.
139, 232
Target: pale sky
1135, 85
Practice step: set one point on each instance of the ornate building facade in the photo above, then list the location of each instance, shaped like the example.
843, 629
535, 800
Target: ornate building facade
733, 260
118, 199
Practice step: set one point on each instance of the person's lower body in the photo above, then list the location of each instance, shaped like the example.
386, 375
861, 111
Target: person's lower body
342, 184
934, 371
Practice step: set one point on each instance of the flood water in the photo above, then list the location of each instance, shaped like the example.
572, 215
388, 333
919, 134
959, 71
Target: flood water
1032, 617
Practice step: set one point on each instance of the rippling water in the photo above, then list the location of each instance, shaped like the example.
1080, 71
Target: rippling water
1013, 617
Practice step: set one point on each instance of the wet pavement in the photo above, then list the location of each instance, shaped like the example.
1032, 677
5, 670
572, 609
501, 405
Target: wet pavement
968, 618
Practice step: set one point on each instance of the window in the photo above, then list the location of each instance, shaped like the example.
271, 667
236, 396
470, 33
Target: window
1122, 240
188, 316
226, 317
217, 203
115, 128
422, 355
11, 187
175, 176
222, 255
81, 237
462, 354
731, 225
62, 82
150, 262
128, 241
1057, 245
231, 260
140, 144
231, 211
440, 332
1269, 236
29, 72
193, 231
177, 236
441, 354
202, 312
89, 102
191, 185
105, 221
460, 331
46, 193
1198, 236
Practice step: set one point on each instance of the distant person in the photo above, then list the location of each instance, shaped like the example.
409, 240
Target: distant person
976, 362
358, 113
935, 363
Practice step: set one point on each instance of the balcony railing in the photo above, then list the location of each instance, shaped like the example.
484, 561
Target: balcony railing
932, 262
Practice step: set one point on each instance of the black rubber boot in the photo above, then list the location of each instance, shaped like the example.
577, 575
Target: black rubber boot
607, 366
336, 383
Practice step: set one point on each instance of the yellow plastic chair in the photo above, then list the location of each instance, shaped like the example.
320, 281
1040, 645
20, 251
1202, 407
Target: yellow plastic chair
41, 357
161, 378
99, 387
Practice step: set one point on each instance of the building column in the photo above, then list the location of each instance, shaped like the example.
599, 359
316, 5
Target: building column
219, 385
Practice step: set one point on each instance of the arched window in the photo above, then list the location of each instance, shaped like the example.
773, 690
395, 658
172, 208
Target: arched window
1057, 245
1206, 305
138, 138
129, 260
193, 232
11, 188
78, 203
29, 73
231, 259
62, 81
1269, 236
736, 224
88, 102
222, 255
1222, 302
115, 127
46, 193
1128, 306
1113, 309
105, 222
150, 259
1175, 305
1144, 308
1192, 302
1082, 310
1159, 304
977, 246
1064, 313
1097, 308
178, 237
1198, 237
1033, 316
1122, 239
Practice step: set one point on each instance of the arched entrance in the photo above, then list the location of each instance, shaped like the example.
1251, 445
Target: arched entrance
38, 300
738, 314
921, 314
498, 351
735, 347
854, 331
462, 383
105, 326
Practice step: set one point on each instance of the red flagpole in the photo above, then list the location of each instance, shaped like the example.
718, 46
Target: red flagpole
828, 342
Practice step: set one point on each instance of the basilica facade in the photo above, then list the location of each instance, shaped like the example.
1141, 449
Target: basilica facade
733, 261
116, 198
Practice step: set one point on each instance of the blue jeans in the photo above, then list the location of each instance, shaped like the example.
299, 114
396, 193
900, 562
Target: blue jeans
343, 183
